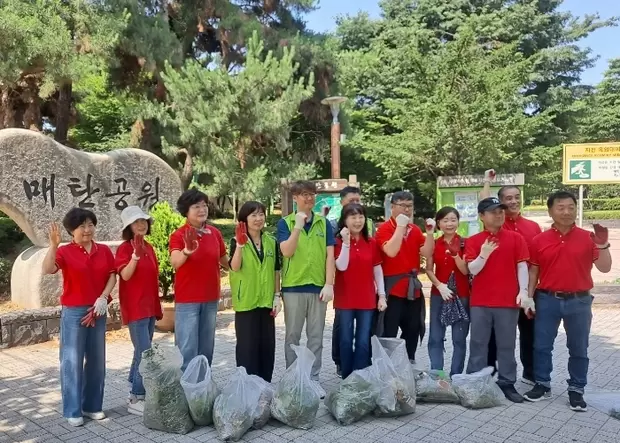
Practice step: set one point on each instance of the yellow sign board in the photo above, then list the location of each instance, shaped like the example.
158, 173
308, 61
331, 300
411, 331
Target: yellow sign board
591, 164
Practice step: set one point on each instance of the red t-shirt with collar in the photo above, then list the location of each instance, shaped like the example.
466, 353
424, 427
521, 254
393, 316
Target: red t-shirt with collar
565, 261
497, 285
445, 265
84, 275
407, 259
138, 296
198, 280
527, 228
355, 287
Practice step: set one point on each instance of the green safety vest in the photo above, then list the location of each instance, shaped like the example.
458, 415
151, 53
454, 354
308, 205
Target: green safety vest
307, 265
254, 285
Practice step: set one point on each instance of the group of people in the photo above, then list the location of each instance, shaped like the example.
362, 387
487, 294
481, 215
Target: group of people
510, 275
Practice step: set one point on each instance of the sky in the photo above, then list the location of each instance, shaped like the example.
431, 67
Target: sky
601, 41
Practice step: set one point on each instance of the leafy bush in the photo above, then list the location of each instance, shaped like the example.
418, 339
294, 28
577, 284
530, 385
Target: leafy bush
602, 204
5, 275
166, 221
601, 215
10, 235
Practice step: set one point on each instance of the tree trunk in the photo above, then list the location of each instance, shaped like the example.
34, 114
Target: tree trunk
7, 113
63, 112
188, 169
32, 113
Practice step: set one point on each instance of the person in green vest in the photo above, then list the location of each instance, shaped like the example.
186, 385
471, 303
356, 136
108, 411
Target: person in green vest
349, 194
307, 245
255, 287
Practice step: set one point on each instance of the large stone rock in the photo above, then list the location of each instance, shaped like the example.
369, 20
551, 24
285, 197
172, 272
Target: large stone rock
40, 180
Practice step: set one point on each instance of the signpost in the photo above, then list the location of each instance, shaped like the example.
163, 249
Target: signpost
590, 164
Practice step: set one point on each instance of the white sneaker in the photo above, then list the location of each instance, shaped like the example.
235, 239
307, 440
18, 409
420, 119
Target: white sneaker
78, 421
136, 407
94, 415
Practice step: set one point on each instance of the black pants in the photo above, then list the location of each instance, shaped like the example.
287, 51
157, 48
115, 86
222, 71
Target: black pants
256, 342
336, 341
526, 346
405, 314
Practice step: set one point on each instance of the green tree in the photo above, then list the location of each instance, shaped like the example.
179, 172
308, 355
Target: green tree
235, 127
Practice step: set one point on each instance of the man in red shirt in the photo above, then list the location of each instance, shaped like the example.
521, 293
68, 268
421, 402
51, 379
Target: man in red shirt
510, 196
497, 258
401, 244
561, 263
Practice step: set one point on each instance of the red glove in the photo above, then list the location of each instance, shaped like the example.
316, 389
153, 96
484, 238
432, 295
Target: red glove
454, 247
89, 319
600, 236
190, 238
241, 234
139, 248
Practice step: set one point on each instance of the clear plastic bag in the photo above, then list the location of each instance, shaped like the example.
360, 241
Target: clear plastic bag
435, 387
296, 399
355, 397
200, 390
262, 413
478, 390
235, 408
165, 406
605, 401
396, 379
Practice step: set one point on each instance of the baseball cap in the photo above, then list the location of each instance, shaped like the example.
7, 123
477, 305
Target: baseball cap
132, 213
489, 204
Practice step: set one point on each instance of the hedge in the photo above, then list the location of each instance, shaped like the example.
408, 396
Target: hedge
601, 215
589, 204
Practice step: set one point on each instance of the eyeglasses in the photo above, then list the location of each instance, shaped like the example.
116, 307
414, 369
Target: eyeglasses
405, 206
307, 195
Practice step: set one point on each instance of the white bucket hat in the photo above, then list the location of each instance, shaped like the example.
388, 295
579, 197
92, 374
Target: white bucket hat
132, 213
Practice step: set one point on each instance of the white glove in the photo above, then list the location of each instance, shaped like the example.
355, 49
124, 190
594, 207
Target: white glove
300, 220
430, 225
402, 220
346, 236
382, 304
489, 175
277, 305
445, 292
101, 306
522, 298
487, 248
529, 306
327, 293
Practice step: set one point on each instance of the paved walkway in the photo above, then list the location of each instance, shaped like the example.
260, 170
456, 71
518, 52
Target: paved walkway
30, 401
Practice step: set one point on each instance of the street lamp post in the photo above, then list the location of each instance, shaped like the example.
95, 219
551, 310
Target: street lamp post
334, 106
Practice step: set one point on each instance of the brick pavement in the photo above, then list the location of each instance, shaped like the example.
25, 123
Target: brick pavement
30, 401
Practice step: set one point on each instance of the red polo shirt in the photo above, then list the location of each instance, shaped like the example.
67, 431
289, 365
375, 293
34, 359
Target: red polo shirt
407, 259
445, 265
198, 280
138, 296
497, 285
84, 275
565, 261
355, 287
527, 228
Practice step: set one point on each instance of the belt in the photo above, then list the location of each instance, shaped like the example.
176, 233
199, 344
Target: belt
561, 294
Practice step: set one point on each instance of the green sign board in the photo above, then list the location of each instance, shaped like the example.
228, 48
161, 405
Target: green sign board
580, 169
327, 199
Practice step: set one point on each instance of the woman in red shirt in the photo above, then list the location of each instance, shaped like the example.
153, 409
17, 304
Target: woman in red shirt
447, 266
138, 294
197, 251
359, 279
88, 279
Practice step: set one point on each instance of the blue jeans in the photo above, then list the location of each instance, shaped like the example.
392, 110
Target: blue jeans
141, 333
82, 363
194, 330
437, 337
351, 360
576, 313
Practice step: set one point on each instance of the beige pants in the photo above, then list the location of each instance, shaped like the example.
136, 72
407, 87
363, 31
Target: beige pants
300, 308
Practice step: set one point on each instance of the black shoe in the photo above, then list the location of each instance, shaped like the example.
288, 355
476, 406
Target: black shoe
338, 371
511, 393
539, 392
577, 403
